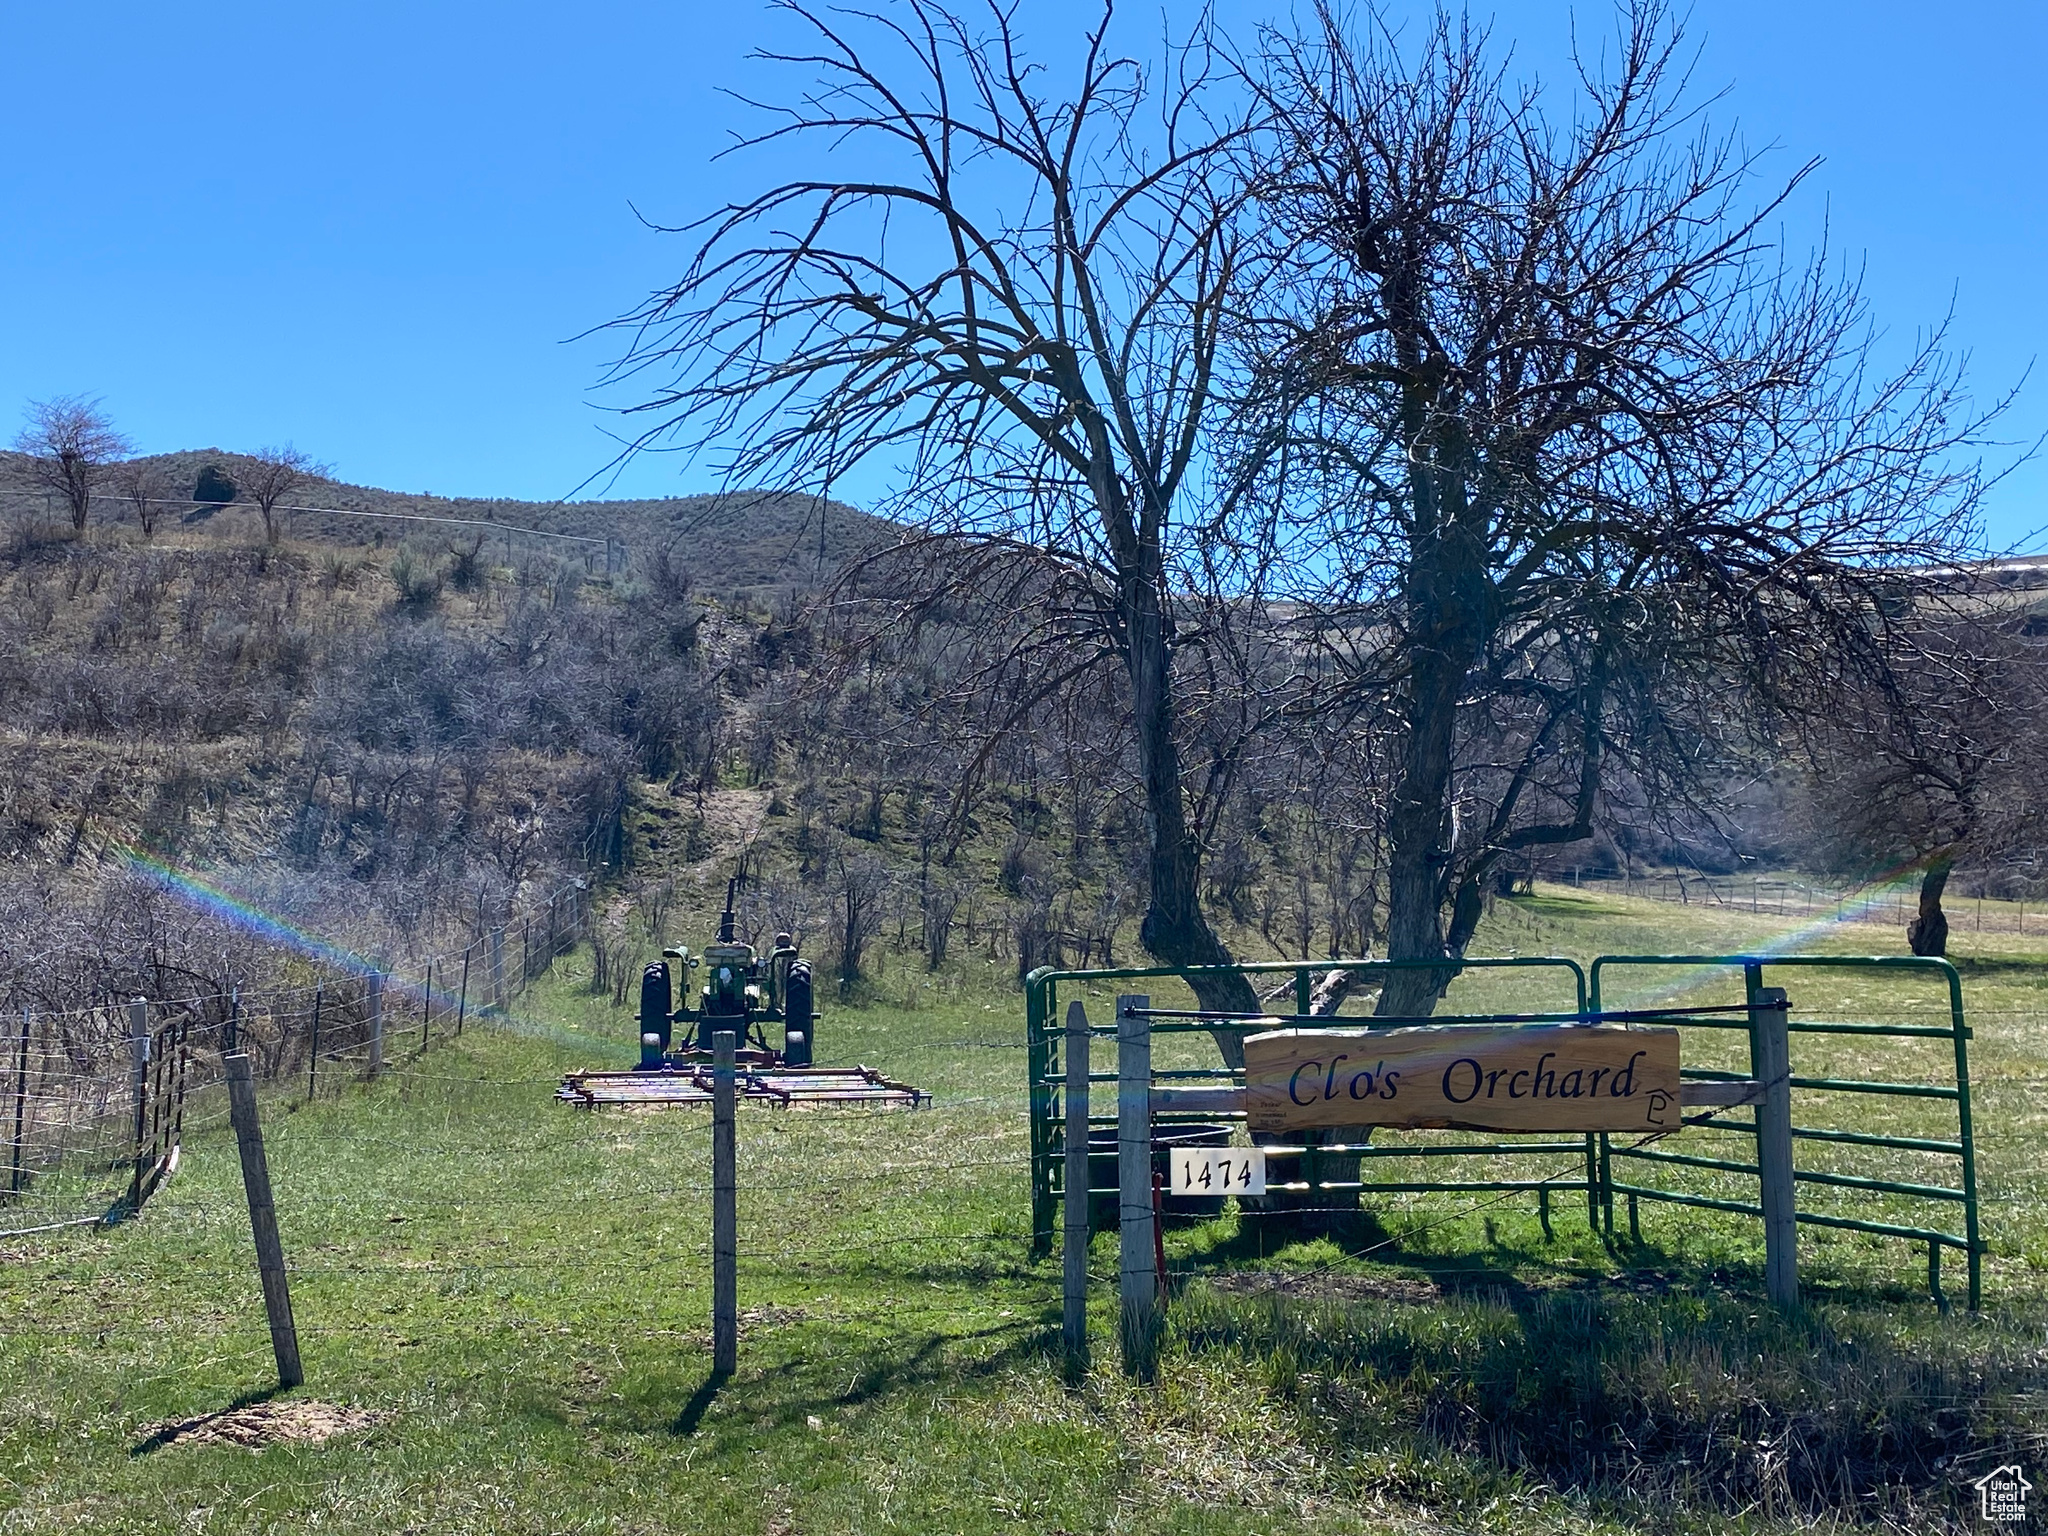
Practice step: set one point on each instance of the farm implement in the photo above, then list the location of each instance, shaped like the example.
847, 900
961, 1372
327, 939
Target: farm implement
746, 995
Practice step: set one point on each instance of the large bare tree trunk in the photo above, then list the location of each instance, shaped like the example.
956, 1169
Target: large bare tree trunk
1927, 934
1174, 931
1445, 601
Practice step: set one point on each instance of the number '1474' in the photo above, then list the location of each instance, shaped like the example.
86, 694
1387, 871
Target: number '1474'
1217, 1171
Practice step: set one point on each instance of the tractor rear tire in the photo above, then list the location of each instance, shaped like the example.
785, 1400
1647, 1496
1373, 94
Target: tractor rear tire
798, 1020
657, 1002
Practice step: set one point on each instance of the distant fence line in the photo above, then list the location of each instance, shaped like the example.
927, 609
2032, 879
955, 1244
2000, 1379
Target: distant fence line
1779, 897
94, 1101
614, 550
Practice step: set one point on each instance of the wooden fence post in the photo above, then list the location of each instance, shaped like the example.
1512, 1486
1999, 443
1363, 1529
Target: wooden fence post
1138, 1289
138, 1046
277, 1299
725, 1320
376, 1023
1074, 1311
20, 1103
1774, 1146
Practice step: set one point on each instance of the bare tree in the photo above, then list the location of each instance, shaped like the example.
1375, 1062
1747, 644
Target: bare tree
72, 442
272, 475
1585, 475
1937, 762
142, 485
936, 907
860, 892
1022, 293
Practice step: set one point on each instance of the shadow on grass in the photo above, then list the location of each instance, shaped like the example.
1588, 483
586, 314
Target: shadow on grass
693, 1411
820, 1371
1588, 905
1998, 965
1664, 1386
1278, 1242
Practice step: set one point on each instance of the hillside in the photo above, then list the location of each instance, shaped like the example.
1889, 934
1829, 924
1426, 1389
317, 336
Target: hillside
748, 540
387, 728
390, 739
384, 746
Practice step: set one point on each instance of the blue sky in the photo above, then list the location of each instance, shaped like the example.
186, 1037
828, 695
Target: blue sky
372, 229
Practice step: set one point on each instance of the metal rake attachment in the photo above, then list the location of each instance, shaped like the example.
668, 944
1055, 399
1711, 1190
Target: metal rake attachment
689, 1087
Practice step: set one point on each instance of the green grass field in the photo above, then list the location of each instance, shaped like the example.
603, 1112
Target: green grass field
513, 1297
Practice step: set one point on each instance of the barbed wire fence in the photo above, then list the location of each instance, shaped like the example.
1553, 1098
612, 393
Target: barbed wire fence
95, 1101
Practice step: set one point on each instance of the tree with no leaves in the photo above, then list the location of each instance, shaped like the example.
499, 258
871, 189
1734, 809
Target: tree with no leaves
859, 889
142, 486
272, 475
1022, 292
1938, 762
1589, 477
72, 442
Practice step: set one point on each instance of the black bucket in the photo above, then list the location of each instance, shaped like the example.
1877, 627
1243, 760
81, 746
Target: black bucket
1102, 1209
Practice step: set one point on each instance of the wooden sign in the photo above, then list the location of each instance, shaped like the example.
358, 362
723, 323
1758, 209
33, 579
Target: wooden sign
1544, 1077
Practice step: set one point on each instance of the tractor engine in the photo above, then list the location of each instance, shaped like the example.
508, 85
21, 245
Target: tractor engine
741, 992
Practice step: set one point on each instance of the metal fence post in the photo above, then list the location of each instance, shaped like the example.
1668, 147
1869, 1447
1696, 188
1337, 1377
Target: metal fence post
1774, 1147
725, 1320
498, 968
376, 1023
462, 999
277, 1299
1138, 1290
20, 1103
427, 1009
138, 1045
313, 1054
1074, 1310
1038, 1028
1968, 1137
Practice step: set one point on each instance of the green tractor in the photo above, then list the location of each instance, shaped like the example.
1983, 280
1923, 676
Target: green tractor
742, 992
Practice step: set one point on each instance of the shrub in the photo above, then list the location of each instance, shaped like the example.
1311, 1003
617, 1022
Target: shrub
466, 564
337, 571
1021, 866
417, 581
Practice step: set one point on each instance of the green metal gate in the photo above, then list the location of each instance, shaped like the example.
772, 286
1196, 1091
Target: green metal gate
1811, 1090
1595, 1156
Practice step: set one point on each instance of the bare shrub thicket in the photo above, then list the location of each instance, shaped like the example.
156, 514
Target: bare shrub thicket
396, 774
